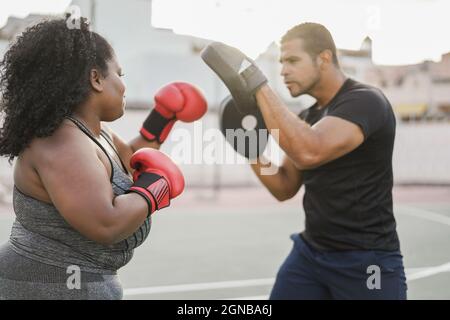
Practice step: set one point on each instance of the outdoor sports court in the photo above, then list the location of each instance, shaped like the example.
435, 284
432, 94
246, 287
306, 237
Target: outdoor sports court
216, 246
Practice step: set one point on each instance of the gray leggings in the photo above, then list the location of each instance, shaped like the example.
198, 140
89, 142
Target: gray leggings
25, 279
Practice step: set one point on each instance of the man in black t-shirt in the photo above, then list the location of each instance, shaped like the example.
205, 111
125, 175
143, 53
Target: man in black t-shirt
340, 149
348, 201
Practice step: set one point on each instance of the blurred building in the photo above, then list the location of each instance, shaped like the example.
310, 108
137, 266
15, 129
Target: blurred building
416, 91
357, 63
152, 57
3, 46
15, 26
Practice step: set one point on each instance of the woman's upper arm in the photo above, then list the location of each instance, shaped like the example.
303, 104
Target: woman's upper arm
78, 185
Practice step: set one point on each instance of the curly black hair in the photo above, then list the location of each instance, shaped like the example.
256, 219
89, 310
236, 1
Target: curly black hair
44, 76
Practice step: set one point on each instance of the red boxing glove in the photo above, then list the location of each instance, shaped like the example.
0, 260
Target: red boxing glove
175, 101
156, 178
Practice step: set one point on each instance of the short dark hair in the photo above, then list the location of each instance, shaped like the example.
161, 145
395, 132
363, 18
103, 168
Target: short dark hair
316, 38
44, 76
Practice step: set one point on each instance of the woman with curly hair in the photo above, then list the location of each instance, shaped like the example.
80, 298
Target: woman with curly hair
83, 197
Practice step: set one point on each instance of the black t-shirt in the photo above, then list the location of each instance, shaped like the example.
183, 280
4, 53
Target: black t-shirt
348, 201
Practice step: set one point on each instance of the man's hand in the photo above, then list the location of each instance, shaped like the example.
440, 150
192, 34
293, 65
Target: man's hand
238, 72
246, 133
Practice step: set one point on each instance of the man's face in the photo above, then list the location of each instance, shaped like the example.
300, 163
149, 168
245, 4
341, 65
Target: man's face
299, 70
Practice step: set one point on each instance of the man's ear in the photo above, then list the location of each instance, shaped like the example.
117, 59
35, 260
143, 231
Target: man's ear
96, 80
325, 58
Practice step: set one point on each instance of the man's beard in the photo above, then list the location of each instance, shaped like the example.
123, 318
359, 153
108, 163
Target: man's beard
310, 87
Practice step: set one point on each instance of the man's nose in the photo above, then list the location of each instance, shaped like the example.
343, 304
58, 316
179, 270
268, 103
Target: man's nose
283, 71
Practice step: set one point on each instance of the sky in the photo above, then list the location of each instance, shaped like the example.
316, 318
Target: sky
403, 31
21, 8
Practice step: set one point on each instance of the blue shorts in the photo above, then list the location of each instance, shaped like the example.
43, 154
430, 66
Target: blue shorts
358, 274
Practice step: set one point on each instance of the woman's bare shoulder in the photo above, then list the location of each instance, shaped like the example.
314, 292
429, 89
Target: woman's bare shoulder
67, 139
64, 145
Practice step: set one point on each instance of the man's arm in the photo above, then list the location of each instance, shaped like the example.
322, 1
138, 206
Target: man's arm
308, 147
285, 183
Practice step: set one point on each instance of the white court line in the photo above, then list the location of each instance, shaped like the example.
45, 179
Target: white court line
409, 271
435, 217
414, 274
199, 286
251, 298
426, 215
411, 274
429, 272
